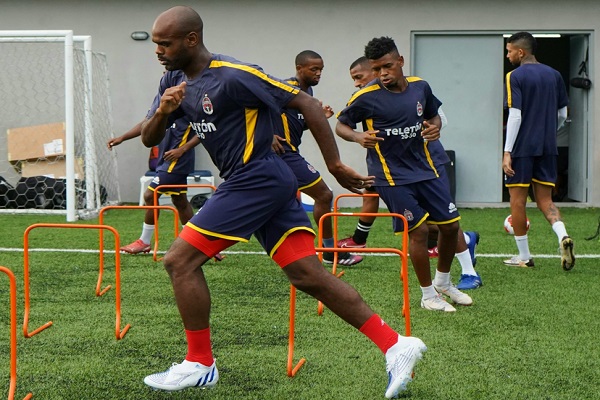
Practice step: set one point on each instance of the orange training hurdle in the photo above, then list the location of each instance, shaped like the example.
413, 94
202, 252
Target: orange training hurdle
118, 332
13, 334
155, 208
291, 370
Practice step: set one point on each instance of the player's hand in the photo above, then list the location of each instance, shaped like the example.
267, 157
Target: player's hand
114, 142
328, 111
431, 132
172, 98
368, 139
507, 164
351, 180
174, 154
277, 147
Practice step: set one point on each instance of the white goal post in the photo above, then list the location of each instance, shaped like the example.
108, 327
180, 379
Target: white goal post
53, 88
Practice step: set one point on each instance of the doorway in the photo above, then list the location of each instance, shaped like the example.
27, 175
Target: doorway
471, 85
566, 54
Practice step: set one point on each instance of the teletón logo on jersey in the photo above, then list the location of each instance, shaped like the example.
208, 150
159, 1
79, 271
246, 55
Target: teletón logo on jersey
207, 104
419, 109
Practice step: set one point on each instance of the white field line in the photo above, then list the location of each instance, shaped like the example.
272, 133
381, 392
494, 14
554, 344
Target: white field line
483, 255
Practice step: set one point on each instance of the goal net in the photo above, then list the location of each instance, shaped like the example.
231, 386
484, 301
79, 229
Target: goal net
56, 121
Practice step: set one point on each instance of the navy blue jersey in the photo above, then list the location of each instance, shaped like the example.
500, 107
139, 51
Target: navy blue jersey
293, 125
233, 108
403, 157
176, 135
539, 92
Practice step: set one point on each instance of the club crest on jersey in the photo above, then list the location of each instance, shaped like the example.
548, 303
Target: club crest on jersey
207, 105
419, 109
408, 215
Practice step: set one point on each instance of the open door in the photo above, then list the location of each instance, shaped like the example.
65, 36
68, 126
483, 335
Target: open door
578, 130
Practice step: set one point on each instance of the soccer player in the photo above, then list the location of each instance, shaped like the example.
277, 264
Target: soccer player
537, 101
175, 161
233, 107
361, 73
402, 117
309, 66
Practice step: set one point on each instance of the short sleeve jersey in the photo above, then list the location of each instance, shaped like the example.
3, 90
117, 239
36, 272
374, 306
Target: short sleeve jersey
539, 92
293, 124
233, 108
403, 157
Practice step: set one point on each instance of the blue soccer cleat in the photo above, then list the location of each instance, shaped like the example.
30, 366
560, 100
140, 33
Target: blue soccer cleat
474, 241
469, 282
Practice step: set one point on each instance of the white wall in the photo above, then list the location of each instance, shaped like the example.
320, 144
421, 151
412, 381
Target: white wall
271, 33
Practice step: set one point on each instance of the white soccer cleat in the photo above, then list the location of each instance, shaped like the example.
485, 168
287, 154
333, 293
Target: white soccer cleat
455, 295
400, 361
184, 375
437, 303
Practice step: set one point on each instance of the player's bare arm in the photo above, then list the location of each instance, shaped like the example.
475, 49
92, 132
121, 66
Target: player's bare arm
153, 130
507, 164
130, 134
319, 127
367, 139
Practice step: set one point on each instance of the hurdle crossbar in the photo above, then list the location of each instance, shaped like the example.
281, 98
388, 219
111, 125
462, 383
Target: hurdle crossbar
155, 208
118, 332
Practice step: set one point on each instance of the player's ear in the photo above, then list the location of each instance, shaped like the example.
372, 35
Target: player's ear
192, 39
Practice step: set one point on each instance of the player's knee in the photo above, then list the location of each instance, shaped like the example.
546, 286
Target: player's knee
449, 229
180, 201
149, 197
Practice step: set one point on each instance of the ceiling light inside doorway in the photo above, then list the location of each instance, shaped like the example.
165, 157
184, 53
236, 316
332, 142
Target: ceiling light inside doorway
538, 35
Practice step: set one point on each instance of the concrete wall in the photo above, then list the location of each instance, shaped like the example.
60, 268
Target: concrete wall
271, 33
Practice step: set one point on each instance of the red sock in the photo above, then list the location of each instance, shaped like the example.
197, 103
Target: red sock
380, 333
199, 348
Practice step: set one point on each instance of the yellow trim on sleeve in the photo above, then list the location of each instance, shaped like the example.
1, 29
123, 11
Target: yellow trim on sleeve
255, 72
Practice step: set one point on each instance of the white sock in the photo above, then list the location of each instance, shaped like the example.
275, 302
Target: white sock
442, 278
466, 264
523, 246
147, 233
467, 238
559, 228
428, 292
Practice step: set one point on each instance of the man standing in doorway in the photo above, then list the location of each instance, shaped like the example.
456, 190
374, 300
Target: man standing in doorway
537, 101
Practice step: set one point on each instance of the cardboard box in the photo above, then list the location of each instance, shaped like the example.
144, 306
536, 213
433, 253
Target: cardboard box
52, 168
33, 142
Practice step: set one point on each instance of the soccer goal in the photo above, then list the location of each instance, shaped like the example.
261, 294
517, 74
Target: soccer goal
56, 121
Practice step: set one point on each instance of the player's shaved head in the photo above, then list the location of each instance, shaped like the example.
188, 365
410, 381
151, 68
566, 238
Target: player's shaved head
379, 47
179, 21
362, 61
303, 57
525, 41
